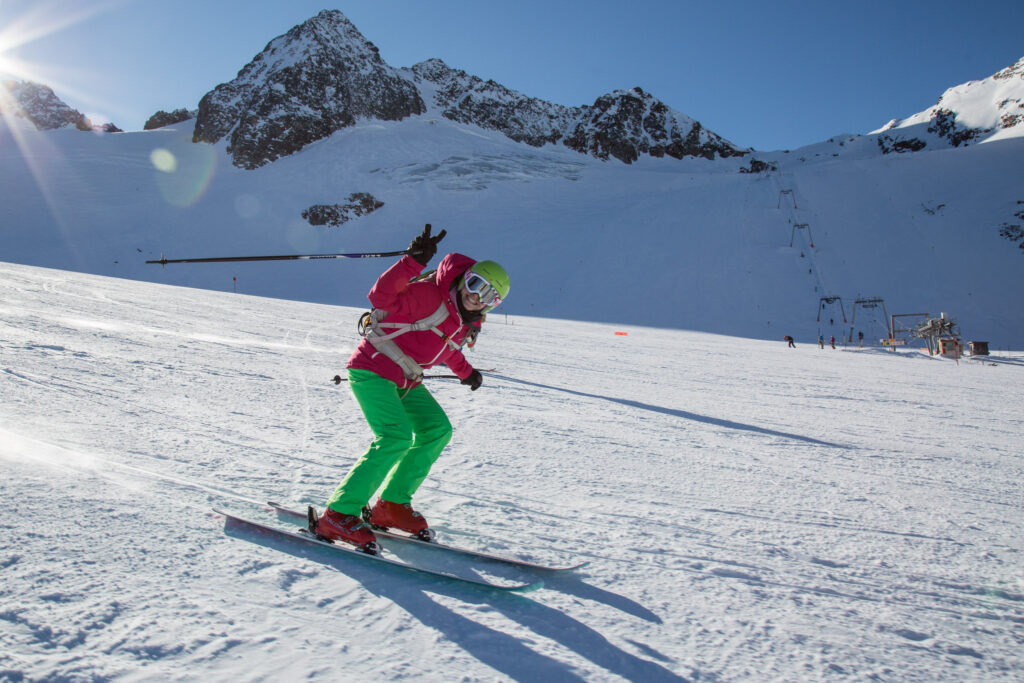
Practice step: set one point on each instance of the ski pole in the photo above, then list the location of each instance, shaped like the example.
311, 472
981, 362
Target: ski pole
287, 257
338, 379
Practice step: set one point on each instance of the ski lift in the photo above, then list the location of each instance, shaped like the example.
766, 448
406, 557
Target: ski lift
786, 192
801, 226
873, 303
831, 300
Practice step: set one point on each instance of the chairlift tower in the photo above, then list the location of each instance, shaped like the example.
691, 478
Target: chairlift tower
786, 192
801, 226
871, 304
831, 300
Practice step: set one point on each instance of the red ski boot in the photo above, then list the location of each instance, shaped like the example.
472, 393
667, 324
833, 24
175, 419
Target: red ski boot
336, 526
386, 515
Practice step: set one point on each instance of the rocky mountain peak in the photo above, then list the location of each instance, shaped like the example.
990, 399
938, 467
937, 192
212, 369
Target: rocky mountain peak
323, 75
973, 112
624, 124
38, 104
627, 123
319, 77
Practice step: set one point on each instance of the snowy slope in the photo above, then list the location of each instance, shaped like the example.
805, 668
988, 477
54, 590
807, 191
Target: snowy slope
686, 244
751, 512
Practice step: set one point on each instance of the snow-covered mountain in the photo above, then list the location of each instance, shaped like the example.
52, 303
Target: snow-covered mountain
323, 75
624, 124
761, 245
979, 111
37, 104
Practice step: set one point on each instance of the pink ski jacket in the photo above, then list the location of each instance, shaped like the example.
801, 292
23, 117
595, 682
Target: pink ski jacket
411, 301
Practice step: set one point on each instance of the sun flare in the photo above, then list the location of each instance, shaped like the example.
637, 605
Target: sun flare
17, 32
41, 20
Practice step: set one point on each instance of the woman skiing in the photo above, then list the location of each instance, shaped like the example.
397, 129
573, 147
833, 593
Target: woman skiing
417, 322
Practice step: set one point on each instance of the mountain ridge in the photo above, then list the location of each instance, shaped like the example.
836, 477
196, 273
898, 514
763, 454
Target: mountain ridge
323, 75
977, 111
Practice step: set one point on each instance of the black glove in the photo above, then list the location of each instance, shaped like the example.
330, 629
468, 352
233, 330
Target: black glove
423, 247
474, 380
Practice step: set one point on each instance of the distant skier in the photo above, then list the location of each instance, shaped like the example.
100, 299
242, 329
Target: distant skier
832, 341
789, 339
410, 429
821, 342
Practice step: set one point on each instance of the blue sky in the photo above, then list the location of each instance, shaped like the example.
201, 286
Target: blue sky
768, 75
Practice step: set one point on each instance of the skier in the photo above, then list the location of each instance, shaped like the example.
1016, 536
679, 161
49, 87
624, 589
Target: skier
832, 341
789, 339
821, 342
410, 429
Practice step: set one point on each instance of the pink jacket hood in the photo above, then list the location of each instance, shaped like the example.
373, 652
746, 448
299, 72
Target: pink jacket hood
451, 268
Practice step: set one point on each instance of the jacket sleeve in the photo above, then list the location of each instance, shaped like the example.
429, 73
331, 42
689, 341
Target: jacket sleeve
386, 292
458, 364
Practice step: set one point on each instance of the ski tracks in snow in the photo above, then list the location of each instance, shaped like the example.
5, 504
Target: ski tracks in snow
749, 511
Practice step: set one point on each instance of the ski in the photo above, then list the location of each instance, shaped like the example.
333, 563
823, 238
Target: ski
404, 538
305, 537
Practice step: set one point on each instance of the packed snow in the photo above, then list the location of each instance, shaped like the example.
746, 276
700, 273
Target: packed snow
750, 512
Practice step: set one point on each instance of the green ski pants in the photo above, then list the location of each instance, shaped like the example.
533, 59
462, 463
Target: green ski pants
410, 430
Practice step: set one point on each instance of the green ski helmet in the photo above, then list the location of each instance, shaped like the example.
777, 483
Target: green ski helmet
489, 281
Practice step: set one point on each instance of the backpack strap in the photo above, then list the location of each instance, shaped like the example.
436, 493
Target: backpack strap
373, 327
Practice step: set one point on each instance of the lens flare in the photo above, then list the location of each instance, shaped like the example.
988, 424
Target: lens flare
184, 171
41, 19
164, 160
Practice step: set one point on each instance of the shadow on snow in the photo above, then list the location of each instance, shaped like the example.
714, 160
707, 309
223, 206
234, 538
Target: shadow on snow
718, 422
501, 651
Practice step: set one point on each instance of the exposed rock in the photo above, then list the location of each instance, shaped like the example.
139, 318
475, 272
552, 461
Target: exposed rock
944, 124
319, 77
627, 123
163, 118
890, 143
43, 108
758, 166
1013, 231
469, 99
966, 114
357, 204
624, 124
323, 75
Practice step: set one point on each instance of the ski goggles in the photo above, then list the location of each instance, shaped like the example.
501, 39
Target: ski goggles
478, 285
